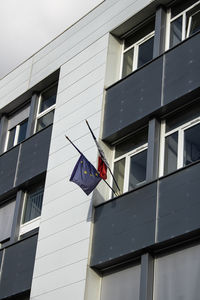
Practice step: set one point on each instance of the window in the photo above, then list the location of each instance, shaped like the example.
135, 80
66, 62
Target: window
180, 141
124, 284
138, 49
33, 204
6, 219
183, 24
130, 162
32, 209
17, 134
177, 275
46, 108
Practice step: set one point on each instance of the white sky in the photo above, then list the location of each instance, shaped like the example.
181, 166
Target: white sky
28, 25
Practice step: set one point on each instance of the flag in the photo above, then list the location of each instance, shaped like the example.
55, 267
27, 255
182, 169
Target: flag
102, 168
102, 161
85, 175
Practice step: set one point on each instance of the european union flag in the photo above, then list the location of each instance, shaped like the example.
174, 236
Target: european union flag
85, 175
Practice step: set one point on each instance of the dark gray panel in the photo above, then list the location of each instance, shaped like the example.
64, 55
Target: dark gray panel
17, 268
132, 98
8, 162
124, 225
34, 156
182, 69
179, 203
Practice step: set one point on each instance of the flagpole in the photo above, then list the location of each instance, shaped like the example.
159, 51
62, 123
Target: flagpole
100, 155
81, 153
110, 187
73, 144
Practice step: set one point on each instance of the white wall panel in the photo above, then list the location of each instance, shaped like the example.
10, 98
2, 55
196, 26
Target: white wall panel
65, 238
59, 278
75, 132
66, 219
81, 100
66, 292
62, 258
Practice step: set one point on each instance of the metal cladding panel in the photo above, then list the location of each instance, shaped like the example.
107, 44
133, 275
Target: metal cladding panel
179, 203
124, 225
133, 98
34, 156
17, 269
182, 69
8, 163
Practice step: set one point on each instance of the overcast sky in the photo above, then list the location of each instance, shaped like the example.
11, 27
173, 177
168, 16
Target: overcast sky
28, 25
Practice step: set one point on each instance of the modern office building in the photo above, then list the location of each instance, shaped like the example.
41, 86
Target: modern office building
132, 69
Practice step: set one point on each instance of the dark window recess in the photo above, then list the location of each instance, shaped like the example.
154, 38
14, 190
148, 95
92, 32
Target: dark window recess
22, 131
137, 169
33, 205
192, 145
48, 98
176, 32
17, 134
145, 52
171, 148
45, 120
11, 138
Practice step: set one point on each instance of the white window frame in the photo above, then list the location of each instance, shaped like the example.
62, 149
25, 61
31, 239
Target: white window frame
44, 112
127, 157
185, 32
135, 47
180, 151
29, 225
17, 128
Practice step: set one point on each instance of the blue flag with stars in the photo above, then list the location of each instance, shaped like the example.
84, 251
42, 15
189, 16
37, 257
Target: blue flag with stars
85, 175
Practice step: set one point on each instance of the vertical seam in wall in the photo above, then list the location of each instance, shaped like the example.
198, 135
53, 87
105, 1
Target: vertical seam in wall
163, 81
157, 210
17, 165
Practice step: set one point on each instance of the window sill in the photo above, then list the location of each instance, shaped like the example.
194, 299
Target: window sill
29, 226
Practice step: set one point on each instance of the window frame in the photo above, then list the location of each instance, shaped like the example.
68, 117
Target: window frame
33, 223
135, 48
46, 111
17, 130
127, 157
185, 31
180, 150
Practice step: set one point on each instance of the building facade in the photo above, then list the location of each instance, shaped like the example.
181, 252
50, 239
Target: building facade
132, 69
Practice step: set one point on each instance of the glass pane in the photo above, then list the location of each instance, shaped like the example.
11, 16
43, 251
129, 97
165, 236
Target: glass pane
195, 23
145, 52
171, 148
137, 169
6, 219
176, 32
140, 33
192, 144
177, 275
119, 174
45, 120
11, 138
181, 6
48, 99
127, 62
22, 131
122, 285
132, 142
33, 205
